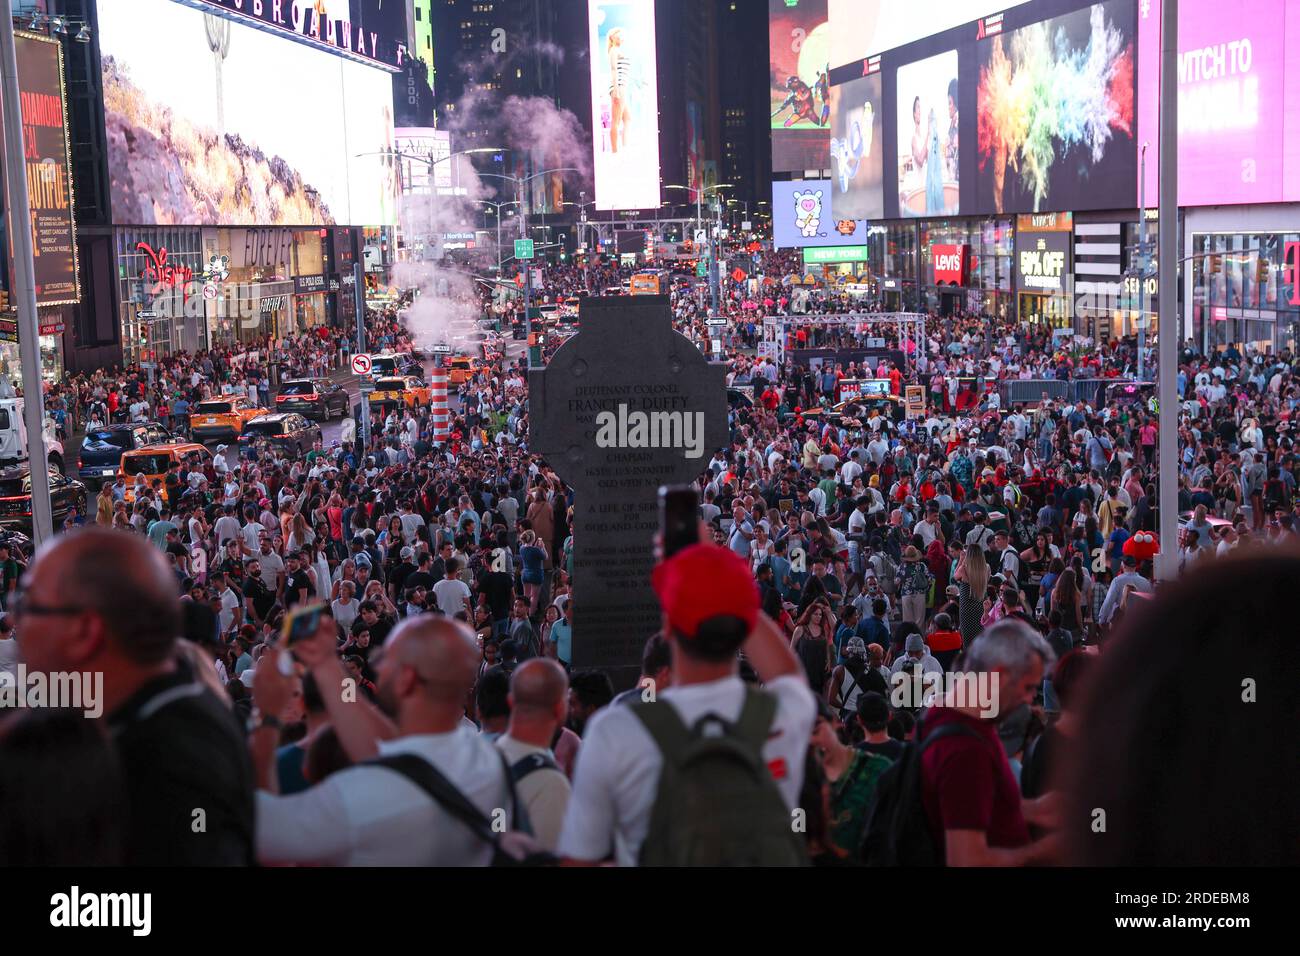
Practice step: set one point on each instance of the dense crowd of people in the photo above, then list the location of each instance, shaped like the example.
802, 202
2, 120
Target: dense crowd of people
853, 560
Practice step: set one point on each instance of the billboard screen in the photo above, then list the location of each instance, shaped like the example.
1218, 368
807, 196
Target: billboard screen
49, 171
800, 107
929, 179
863, 28
1055, 113
1238, 101
808, 213
624, 103
857, 148
200, 133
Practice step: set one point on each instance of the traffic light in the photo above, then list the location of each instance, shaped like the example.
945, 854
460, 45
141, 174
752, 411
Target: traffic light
1215, 264
1262, 269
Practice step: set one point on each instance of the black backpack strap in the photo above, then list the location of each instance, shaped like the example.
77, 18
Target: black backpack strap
448, 796
665, 727
953, 729
444, 793
844, 698
531, 763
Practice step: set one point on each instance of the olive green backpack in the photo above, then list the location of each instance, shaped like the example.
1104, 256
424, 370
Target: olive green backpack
717, 803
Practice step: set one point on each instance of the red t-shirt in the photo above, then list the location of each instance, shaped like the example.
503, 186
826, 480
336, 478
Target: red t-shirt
967, 784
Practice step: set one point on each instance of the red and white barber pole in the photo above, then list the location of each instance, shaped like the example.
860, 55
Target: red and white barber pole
438, 404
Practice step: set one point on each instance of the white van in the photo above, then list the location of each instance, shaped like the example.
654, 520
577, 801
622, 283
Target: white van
13, 436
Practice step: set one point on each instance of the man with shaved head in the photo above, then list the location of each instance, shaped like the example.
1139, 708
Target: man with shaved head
372, 815
539, 704
98, 601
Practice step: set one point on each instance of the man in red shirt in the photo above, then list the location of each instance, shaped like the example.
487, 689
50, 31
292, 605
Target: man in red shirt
971, 797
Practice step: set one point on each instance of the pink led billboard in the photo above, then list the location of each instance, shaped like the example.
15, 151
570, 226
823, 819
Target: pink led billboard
1238, 100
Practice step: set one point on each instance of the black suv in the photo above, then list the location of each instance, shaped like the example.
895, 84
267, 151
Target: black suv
16, 497
287, 431
316, 398
101, 449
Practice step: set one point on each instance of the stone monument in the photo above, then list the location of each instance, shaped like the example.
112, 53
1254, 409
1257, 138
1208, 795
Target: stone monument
624, 406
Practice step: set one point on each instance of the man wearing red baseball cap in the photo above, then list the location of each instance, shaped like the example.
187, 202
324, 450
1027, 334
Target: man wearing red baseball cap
710, 607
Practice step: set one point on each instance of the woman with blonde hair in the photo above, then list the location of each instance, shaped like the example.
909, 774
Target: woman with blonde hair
301, 536
104, 506
532, 558
620, 69
972, 577
375, 593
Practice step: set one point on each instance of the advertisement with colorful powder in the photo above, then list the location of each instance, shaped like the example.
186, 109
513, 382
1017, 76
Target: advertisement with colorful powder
1055, 110
1238, 101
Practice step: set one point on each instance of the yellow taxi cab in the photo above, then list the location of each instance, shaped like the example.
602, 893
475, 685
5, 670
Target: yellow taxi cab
223, 418
153, 461
406, 389
460, 369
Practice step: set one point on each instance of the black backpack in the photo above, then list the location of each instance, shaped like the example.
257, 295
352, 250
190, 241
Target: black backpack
898, 832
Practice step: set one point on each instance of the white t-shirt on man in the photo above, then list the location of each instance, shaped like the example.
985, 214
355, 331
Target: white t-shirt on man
616, 779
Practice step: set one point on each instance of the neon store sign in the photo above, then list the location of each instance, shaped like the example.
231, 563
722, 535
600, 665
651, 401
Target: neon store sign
164, 273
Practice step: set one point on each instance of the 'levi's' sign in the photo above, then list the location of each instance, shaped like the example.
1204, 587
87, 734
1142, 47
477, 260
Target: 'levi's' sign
949, 264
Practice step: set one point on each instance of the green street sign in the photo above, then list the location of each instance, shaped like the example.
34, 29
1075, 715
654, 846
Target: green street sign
819, 255
701, 269
523, 248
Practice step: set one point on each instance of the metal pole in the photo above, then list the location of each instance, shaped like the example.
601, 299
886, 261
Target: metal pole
528, 279
1169, 332
1142, 265
714, 279
359, 283
25, 283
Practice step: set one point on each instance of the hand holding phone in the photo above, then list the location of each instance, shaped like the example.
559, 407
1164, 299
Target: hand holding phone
301, 623
679, 518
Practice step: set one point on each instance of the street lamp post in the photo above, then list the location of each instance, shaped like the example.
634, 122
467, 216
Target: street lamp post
582, 208
430, 162
711, 240
520, 182
496, 208
25, 286
1142, 264
1167, 566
